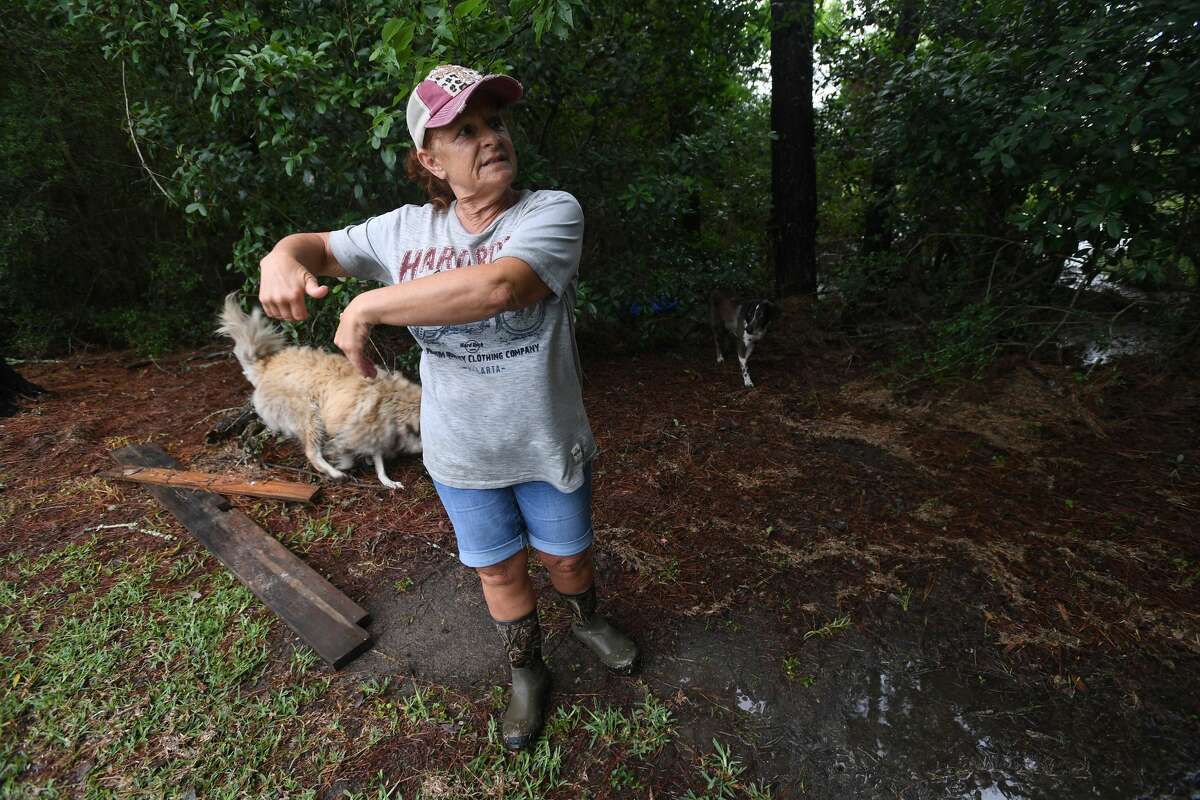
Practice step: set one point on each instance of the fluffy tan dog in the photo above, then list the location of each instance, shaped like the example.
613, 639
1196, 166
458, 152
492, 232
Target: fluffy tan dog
322, 400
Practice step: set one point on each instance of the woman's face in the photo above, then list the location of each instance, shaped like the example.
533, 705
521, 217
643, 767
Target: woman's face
474, 154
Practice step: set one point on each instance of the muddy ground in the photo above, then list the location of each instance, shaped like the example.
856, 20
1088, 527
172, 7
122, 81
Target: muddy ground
972, 590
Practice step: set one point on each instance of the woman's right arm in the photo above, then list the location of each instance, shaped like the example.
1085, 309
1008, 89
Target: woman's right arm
290, 271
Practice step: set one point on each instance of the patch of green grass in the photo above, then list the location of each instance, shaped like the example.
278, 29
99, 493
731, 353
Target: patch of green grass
827, 631
403, 584
642, 732
420, 707
791, 671
184, 566
303, 661
379, 787
721, 775
374, 687
563, 721
144, 675
317, 530
668, 571
622, 777
495, 772
146, 688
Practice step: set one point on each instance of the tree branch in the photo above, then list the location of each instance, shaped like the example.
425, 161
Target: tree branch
129, 121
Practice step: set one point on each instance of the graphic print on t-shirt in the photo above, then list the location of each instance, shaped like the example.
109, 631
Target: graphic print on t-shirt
472, 343
505, 327
475, 345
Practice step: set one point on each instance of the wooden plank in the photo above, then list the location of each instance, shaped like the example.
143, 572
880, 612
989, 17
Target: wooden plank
322, 616
224, 484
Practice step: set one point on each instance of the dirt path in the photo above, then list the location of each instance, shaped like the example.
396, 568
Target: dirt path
987, 590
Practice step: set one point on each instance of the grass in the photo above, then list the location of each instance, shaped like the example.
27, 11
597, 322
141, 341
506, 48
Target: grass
721, 775
317, 530
150, 674
641, 733
140, 689
829, 629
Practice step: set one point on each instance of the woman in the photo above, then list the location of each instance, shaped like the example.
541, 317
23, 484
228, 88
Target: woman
506, 438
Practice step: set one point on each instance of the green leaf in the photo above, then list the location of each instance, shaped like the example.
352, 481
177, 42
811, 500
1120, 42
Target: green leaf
390, 28
404, 37
388, 154
467, 8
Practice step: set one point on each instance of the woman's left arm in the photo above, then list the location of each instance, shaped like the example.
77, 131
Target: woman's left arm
458, 296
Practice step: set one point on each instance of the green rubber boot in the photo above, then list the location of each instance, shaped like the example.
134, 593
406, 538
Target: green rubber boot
522, 720
614, 649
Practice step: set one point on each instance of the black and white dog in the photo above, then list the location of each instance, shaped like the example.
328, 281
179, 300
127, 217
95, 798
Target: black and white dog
746, 321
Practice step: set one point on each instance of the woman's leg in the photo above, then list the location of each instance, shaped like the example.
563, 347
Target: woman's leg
513, 606
560, 529
569, 574
491, 539
574, 578
506, 588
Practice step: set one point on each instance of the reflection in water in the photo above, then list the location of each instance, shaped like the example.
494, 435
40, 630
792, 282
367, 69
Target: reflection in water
1125, 336
748, 704
925, 720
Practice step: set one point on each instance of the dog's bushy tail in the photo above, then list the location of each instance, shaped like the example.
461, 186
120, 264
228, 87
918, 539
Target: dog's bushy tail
253, 337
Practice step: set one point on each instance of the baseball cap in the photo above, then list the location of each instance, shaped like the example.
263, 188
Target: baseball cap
444, 93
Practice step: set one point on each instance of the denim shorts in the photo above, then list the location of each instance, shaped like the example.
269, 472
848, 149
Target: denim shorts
492, 525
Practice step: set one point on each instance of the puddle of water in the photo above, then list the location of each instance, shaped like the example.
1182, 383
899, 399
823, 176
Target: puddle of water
1126, 337
925, 719
748, 704
1072, 274
900, 720
1132, 340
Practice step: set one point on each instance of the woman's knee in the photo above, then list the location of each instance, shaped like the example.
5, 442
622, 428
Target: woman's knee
567, 565
510, 572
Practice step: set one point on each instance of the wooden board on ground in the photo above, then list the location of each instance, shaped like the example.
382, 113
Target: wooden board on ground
223, 484
327, 620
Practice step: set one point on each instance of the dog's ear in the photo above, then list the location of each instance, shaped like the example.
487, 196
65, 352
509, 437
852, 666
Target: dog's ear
760, 311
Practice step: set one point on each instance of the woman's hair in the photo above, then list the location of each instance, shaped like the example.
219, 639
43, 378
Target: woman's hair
439, 191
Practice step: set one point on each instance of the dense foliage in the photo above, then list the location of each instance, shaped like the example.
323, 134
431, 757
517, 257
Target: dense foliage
86, 253
992, 138
261, 119
966, 148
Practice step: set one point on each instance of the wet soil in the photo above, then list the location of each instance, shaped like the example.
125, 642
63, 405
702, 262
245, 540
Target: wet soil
976, 590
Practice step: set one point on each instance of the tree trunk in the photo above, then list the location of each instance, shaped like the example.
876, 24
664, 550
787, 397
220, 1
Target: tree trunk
793, 151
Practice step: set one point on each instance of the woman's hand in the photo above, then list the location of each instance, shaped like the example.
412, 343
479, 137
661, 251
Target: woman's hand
351, 338
284, 283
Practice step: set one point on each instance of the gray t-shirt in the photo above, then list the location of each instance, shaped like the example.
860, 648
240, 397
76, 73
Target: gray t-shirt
502, 399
